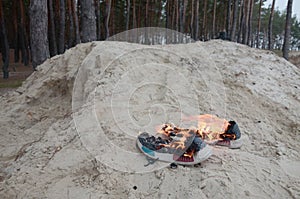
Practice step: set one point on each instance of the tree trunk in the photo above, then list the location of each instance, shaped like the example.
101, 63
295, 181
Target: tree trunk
182, 15
224, 13
252, 40
38, 32
168, 15
52, 36
234, 20
4, 44
71, 39
214, 20
139, 15
107, 16
246, 21
150, 13
133, 14
258, 25
22, 35
62, 24
15, 26
249, 37
76, 23
204, 21
98, 18
241, 18
173, 14
158, 16
196, 21
228, 19
56, 4
127, 18
270, 44
192, 20
128, 15
177, 27
146, 22
287, 34
264, 40
181, 3
88, 21
176, 20
112, 18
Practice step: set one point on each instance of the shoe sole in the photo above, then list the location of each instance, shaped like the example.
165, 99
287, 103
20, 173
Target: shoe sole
234, 144
198, 157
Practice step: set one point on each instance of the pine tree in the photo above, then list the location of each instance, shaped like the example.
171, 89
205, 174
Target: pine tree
258, 25
4, 44
107, 17
88, 21
62, 26
51, 30
39, 32
270, 26
234, 20
287, 34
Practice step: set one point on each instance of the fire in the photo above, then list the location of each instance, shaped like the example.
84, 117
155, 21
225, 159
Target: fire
209, 128
189, 153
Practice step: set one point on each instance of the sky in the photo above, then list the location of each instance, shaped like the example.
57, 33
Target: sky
281, 4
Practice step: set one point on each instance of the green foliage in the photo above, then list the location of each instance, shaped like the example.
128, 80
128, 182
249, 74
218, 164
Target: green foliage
278, 26
295, 33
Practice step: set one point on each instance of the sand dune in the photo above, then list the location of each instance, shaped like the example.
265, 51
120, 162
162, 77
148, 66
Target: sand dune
70, 130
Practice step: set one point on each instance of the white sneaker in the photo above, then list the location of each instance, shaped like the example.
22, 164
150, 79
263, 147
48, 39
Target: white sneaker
232, 144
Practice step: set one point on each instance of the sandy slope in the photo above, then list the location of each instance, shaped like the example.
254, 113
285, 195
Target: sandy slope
42, 155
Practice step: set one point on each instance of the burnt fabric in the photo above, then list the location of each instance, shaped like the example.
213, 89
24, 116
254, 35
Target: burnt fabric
233, 129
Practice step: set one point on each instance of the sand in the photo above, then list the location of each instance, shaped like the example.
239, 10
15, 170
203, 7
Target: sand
69, 131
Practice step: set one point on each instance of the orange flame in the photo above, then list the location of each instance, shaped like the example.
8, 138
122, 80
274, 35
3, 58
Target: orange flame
209, 128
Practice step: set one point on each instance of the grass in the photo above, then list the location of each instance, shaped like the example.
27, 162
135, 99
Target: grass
11, 84
278, 52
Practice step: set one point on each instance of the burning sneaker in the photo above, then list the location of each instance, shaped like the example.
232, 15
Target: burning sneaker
231, 137
186, 148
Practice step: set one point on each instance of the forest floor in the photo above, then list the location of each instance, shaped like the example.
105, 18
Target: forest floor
16, 78
18, 73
